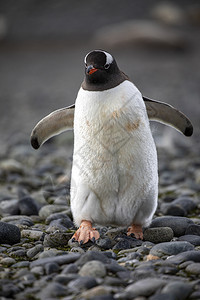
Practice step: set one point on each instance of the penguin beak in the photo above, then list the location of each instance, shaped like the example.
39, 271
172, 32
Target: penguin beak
90, 70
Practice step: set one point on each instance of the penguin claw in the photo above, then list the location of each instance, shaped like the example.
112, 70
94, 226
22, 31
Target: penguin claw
85, 233
135, 230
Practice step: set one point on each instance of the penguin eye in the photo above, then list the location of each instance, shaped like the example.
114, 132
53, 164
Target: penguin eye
106, 66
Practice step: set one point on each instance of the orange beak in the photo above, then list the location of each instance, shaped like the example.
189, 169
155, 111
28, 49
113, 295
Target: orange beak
91, 70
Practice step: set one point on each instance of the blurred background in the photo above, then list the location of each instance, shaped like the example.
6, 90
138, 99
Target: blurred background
43, 44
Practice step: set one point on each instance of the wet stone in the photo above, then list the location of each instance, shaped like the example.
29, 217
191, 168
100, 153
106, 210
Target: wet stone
159, 234
177, 224
170, 248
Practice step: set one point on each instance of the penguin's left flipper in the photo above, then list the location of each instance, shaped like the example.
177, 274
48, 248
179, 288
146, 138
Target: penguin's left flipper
167, 114
58, 121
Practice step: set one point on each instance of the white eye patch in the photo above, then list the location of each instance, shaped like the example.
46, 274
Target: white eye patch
109, 58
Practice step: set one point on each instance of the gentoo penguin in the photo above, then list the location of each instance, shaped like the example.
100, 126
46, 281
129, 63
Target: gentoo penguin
114, 177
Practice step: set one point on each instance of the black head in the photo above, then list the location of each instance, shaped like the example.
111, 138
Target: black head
101, 71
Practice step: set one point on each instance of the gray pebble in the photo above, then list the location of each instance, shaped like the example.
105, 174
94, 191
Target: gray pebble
170, 248
47, 210
32, 234
70, 268
177, 290
61, 259
8, 261
10, 207
34, 251
65, 278
185, 256
92, 255
93, 268
57, 216
177, 224
193, 269
57, 239
28, 206
104, 243
21, 264
193, 229
192, 239
60, 224
51, 267
82, 283
9, 234
144, 287
159, 234
126, 243
52, 291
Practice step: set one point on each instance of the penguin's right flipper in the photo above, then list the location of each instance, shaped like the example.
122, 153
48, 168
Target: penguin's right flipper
58, 121
169, 115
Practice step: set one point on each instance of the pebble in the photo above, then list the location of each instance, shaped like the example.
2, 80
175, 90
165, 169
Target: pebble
28, 206
60, 259
193, 268
93, 268
170, 248
92, 255
158, 235
34, 251
82, 283
179, 225
32, 234
185, 256
47, 210
193, 229
9, 234
57, 239
192, 239
144, 287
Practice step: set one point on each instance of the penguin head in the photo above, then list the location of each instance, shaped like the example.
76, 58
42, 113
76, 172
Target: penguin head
100, 67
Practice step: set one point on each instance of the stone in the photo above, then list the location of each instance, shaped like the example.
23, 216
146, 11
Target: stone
186, 203
65, 278
185, 256
8, 261
51, 291
192, 239
11, 166
93, 268
171, 248
92, 255
144, 287
158, 235
57, 216
177, 290
96, 291
34, 251
60, 224
70, 268
10, 207
193, 229
82, 283
60, 259
57, 239
177, 224
28, 206
104, 243
193, 269
126, 243
47, 210
32, 234
9, 234
51, 267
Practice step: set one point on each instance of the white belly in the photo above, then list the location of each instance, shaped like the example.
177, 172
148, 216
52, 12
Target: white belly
114, 174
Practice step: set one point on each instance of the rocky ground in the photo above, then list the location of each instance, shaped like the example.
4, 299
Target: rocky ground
41, 58
38, 259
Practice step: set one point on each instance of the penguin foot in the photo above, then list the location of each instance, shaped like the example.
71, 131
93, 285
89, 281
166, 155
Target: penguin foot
136, 230
85, 233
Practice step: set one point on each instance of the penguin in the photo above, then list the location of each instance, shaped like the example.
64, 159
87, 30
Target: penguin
114, 178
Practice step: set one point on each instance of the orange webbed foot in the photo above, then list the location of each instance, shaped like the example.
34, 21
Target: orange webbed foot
136, 230
85, 233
